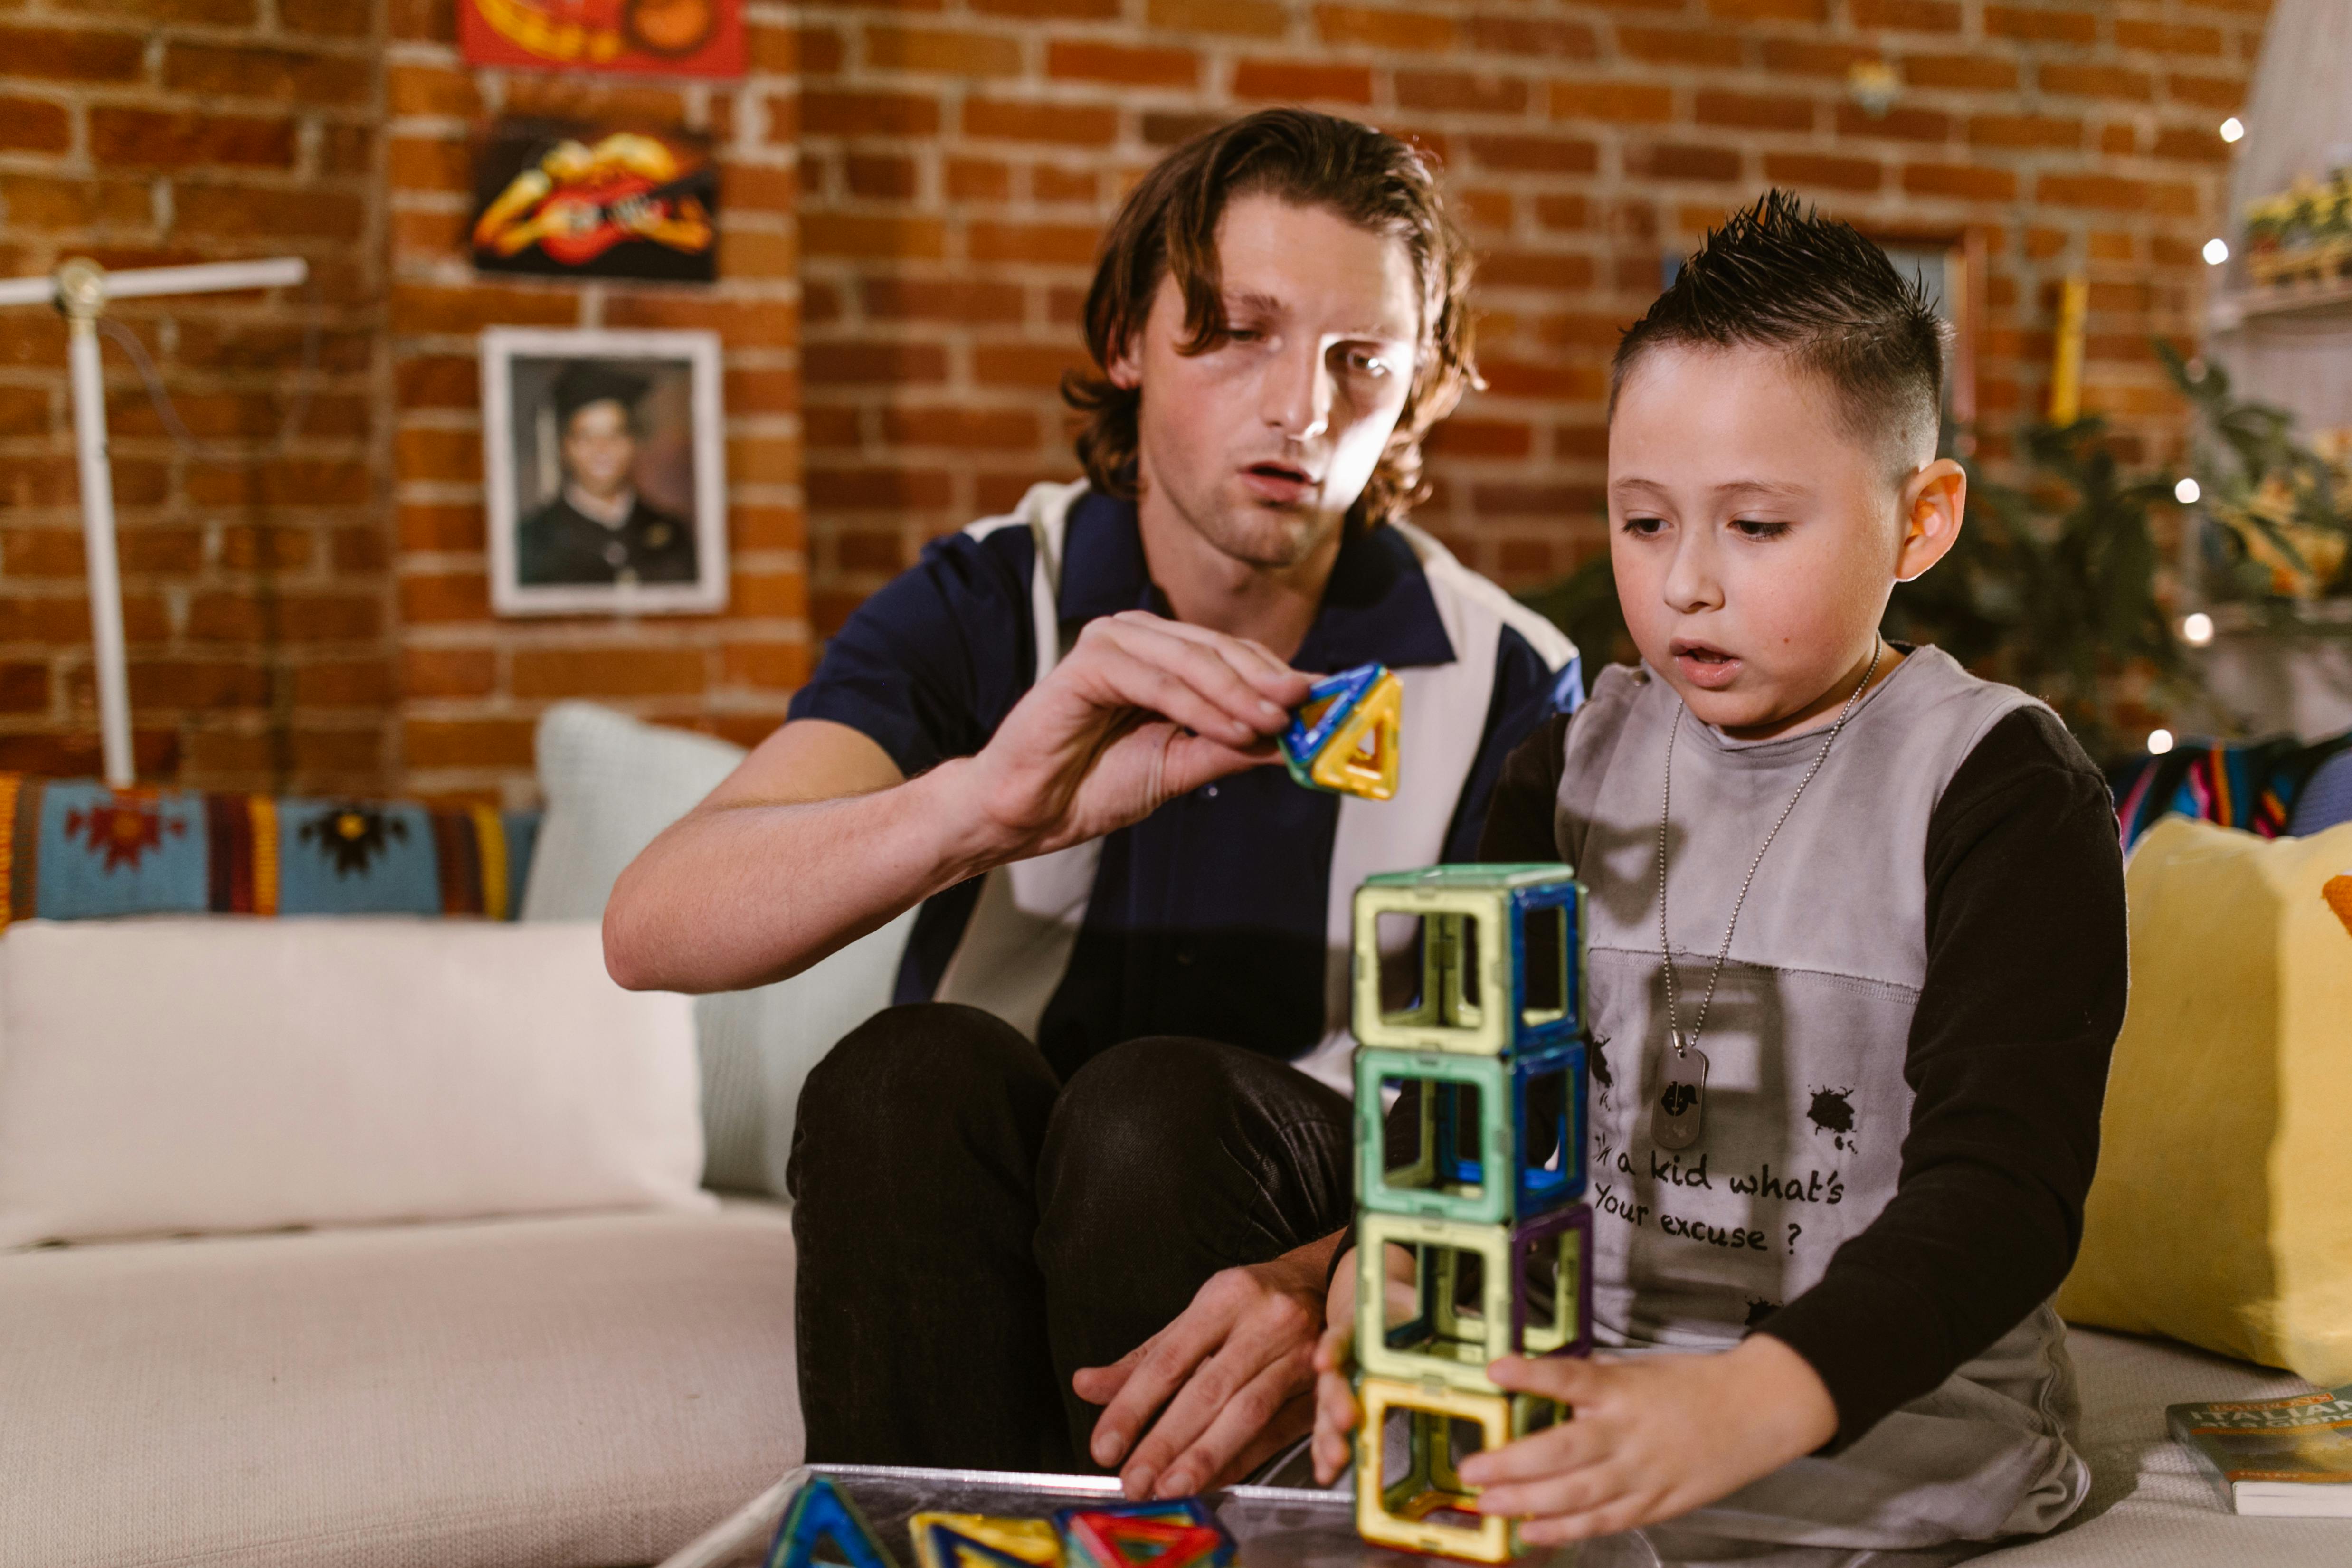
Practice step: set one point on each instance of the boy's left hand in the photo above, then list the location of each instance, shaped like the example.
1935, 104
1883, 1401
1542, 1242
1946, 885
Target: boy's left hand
1651, 1439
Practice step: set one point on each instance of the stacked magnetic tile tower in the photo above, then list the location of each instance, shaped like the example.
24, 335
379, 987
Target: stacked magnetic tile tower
1345, 737
1487, 1061
824, 1529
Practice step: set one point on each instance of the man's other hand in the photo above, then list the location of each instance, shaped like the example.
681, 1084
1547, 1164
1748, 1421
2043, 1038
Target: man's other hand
1230, 1380
1143, 709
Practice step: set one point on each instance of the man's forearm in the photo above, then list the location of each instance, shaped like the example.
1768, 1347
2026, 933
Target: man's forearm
740, 894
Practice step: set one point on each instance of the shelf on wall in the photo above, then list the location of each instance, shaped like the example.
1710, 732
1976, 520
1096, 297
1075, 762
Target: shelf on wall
2232, 311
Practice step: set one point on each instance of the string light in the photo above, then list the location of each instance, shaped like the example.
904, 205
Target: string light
2196, 629
2233, 129
2159, 743
2216, 251
2186, 492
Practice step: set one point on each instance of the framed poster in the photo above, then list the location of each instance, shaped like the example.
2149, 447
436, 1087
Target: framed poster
604, 464
642, 38
570, 201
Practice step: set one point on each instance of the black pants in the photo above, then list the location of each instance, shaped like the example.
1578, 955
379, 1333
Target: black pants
971, 1230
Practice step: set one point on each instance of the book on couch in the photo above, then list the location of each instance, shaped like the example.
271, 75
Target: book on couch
2290, 1455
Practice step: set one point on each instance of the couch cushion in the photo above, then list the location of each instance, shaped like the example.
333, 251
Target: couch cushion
2222, 1212
556, 1392
194, 1074
612, 783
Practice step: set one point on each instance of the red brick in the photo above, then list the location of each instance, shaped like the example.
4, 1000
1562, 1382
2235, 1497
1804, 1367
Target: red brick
1024, 365
60, 54
38, 203
741, 324
1675, 45
247, 210
1086, 60
216, 13
756, 186
944, 299
1480, 438
871, 489
2024, 130
873, 175
418, 308
1049, 184
1236, 18
1977, 71
2096, 81
767, 528
27, 411
778, 665
1754, 111
948, 53
2167, 37
2192, 143
869, 113
439, 528
431, 163
813, 51
1520, 378
1818, 169
431, 89
1469, 92
1621, 102
2041, 24
1527, 37
467, 742
872, 236
1302, 81
1970, 180
1805, 57
1008, 121
881, 364
438, 454
624, 671
141, 138
1906, 15
1768, 10
427, 596
2108, 191
333, 18
1898, 123
998, 429
1075, 10
2119, 140
1067, 244
2213, 92
1675, 161
1409, 32
1554, 154
978, 179
33, 125
288, 76
24, 688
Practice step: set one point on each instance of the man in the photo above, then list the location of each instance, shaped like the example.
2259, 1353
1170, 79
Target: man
598, 528
1097, 1158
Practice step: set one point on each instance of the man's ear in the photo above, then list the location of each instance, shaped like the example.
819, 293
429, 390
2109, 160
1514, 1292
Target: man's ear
1125, 369
1934, 499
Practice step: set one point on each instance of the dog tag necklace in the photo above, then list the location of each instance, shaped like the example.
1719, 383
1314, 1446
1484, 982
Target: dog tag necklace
1682, 1094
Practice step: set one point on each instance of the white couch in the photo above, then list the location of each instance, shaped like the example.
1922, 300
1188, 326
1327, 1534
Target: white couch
597, 1389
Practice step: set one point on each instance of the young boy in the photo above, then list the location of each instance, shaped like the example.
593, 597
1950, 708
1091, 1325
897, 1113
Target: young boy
1857, 953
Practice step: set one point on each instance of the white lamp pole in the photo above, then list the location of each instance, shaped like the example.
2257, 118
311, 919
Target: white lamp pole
81, 289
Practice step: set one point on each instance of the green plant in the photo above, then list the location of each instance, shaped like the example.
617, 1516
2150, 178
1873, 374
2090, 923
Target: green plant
2277, 515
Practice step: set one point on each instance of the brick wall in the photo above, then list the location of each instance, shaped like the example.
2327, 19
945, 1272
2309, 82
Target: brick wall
319, 619
471, 686
256, 599
960, 155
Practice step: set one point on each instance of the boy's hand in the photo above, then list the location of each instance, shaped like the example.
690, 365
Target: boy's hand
1335, 1400
1651, 1439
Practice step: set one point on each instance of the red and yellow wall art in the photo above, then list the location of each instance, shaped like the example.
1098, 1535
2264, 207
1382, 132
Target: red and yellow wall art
642, 38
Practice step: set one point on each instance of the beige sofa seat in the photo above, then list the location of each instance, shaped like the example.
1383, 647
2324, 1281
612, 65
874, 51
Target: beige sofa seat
572, 1390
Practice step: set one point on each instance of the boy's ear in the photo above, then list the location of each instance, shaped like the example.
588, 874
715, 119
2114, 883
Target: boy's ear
1125, 369
1934, 499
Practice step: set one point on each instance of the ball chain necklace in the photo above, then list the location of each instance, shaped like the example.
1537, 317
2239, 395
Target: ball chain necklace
1682, 1099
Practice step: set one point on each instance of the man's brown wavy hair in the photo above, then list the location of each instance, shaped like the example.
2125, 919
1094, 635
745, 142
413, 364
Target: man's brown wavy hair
1169, 226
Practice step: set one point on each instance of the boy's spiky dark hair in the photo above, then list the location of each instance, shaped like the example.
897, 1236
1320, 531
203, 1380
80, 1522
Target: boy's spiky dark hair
1779, 275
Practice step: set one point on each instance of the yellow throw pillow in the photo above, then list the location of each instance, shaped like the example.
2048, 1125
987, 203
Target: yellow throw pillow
2222, 1212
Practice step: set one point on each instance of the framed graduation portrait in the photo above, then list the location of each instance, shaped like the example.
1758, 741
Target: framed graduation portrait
605, 463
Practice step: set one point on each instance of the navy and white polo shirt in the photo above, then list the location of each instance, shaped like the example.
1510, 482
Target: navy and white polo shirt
1225, 914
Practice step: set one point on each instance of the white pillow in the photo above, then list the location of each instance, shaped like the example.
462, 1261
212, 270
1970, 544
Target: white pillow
612, 782
198, 1074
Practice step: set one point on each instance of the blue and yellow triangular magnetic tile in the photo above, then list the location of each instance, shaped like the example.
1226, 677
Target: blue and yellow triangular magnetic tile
1331, 720
822, 1516
945, 1539
1362, 755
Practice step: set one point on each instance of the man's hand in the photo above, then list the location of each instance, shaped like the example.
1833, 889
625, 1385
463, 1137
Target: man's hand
1143, 709
1651, 1439
1233, 1371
